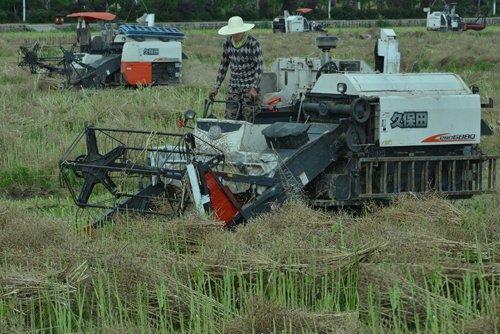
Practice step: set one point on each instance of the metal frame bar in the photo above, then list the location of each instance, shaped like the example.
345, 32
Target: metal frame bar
439, 170
399, 176
369, 173
437, 158
426, 187
469, 164
450, 193
412, 169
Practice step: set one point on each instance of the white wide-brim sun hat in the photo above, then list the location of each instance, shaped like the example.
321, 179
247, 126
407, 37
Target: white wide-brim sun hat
235, 25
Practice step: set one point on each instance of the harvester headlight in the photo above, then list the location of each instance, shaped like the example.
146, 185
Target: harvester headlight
189, 114
341, 87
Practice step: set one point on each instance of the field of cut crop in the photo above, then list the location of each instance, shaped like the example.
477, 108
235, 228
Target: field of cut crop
418, 265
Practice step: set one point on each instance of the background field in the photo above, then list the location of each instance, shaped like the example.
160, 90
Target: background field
417, 265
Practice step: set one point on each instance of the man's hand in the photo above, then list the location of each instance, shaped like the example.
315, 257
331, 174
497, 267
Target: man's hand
253, 95
213, 93
88, 41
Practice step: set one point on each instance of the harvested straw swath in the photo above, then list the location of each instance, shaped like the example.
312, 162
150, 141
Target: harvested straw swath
175, 299
35, 288
452, 272
341, 262
401, 297
458, 250
409, 208
55, 82
261, 315
159, 285
251, 261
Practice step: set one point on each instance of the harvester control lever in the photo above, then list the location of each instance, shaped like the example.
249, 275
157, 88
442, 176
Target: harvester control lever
331, 66
209, 104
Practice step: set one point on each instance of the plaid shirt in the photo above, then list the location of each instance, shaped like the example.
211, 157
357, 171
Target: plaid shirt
246, 63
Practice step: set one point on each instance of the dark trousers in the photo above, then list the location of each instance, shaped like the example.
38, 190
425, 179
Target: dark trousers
84, 49
248, 107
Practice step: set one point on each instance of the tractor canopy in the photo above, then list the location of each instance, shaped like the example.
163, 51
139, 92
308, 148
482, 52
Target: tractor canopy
94, 16
303, 10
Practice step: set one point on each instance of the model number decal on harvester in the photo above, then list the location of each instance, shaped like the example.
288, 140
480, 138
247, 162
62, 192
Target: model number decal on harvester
446, 137
151, 52
409, 119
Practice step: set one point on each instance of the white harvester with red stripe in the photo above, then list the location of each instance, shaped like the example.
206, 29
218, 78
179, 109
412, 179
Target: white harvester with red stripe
149, 55
448, 20
344, 134
132, 55
296, 23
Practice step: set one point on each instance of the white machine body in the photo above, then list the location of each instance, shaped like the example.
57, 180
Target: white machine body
434, 20
152, 51
408, 114
297, 23
297, 75
415, 109
388, 46
151, 61
291, 23
443, 21
430, 120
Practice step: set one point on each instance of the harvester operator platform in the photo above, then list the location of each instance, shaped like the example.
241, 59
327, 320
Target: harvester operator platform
243, 53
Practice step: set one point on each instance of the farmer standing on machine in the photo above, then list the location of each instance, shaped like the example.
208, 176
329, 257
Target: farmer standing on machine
243, 53
83, 35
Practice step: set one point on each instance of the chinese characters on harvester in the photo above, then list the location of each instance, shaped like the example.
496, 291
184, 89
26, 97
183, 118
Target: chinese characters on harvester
409, 119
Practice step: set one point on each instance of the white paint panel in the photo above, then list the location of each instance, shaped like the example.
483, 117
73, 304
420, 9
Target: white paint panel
393, 84
195, 188
156, 51
225, 141
130, 52
451, 120
166, 51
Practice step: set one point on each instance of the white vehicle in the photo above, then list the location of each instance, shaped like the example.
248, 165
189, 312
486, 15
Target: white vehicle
293, 23
445, 20
133, 55
348, 134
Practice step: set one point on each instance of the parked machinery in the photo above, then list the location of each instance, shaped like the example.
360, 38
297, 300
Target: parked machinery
449, 20
132, 55
349, 135
293, 23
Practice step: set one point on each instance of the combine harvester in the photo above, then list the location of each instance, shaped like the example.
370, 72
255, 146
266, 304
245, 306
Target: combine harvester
349, 134
295, 23
133, 55
448, 20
